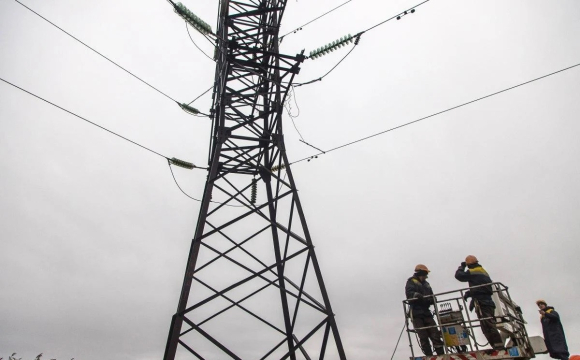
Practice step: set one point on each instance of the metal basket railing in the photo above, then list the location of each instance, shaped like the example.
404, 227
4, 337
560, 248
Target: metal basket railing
452, 314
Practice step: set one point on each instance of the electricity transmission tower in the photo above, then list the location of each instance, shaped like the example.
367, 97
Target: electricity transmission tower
253, 286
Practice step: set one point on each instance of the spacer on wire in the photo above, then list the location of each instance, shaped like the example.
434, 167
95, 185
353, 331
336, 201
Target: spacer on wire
181, 163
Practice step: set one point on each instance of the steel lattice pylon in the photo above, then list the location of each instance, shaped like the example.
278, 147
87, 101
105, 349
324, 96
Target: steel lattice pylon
252, 286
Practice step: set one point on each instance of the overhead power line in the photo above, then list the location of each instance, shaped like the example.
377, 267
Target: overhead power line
313, 20
170, 161
108, 59
202, 94
398, 16
435, 114
85, 119
332, 69
341, 42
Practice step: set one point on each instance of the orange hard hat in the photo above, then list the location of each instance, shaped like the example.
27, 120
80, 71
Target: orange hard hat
575, 357
421, 267
470, 259
538, 302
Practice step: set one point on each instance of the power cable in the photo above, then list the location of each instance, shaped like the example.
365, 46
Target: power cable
329, 71
122, 137
198, 48
82, 118
358, 35
176, 183
311, 21
398, 16
437, 113
202, 94
191, 197
119, 66
288, 107
312, 146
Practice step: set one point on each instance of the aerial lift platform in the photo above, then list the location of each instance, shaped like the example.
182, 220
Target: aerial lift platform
458, 328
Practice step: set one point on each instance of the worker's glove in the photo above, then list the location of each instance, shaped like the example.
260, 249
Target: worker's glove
466, 295
463, 265
419, 296
471, 305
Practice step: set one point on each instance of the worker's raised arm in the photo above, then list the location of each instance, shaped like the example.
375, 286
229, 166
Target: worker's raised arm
462, 275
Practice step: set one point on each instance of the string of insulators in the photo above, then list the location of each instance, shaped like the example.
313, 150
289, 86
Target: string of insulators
192, 19
188, 109
278, 168
254, 193
343, 41
181, 163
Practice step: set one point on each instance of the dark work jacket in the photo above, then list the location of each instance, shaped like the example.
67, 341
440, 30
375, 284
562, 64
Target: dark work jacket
554, 334
413, 289
476, 275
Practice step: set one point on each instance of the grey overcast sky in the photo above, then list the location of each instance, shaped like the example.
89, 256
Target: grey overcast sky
94, 233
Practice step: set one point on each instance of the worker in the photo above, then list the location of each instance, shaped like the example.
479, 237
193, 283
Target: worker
420, 296
481, 301
553, 331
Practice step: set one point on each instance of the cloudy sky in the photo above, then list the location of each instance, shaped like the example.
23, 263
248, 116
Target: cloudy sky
95, 234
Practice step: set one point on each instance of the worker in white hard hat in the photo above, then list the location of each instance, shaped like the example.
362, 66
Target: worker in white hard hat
420, 296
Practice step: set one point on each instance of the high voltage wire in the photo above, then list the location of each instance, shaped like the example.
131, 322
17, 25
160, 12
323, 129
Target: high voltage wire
357, 37
398, 16
191, 197
85, 119
329, 71
435, 114
313, 20
198, 48
202, 94
119, 66
171, 161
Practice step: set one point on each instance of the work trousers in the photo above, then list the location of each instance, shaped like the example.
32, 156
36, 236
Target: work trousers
561, 356
426, 334
558, 355
488, 326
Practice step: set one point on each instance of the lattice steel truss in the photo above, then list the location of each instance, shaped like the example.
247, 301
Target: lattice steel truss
252, 286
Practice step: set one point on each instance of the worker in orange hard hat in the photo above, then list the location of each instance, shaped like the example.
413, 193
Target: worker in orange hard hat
481, 301
420, 296
554, 336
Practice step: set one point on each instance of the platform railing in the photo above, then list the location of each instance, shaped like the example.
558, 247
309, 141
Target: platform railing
451, 311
